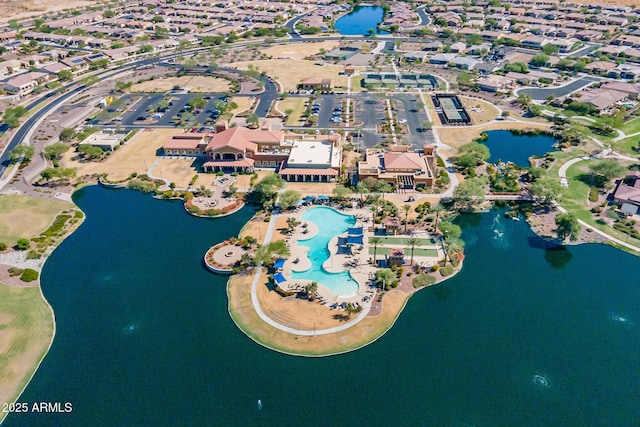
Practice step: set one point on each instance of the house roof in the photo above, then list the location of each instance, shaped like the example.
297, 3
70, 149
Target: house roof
242, 138
403, 161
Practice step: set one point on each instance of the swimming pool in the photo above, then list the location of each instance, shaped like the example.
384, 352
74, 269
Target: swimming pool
330, 223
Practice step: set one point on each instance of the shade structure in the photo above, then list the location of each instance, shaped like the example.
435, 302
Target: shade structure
355, 230
300, 203
279, 264
323, 197
355, 240
279, 278
309, 199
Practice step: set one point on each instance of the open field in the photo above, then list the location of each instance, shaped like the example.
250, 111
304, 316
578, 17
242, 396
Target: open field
14, 9
26, 329
485, 111
243, 103
136, 156
180, 171
291, 72
300, 50
243, 182
295, 104
23, 216
312, 188
194, 83
456, 136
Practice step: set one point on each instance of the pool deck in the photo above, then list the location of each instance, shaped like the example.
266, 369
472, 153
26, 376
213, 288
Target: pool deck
357, 265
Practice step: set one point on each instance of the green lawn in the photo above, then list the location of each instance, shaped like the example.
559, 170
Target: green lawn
23, 216
632, 126
402, 241
407, 252
26, 329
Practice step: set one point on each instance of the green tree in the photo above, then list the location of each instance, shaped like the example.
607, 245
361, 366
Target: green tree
311, 289
550, 49
289, 198
384, 277
21, 152
412, 241
64, 75
568, 226
145, 48
163, 105
546, 190
292, 223
265, 190
437, 209
539, 60
90, 151
472, 154
67, 134
469, 193
252, 120
266, 253
340, 192
406, 208
427, 125
55, 150
198, 102
361, 188
23, 244
375, 241
604, 171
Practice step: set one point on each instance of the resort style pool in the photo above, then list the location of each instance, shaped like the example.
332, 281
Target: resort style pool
330, 223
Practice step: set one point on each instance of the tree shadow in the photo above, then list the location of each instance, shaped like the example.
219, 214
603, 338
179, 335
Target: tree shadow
558, 257
341, 317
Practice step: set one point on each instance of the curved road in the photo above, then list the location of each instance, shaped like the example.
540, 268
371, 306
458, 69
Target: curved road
541, 94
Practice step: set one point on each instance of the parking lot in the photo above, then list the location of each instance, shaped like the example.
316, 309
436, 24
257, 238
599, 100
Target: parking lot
134, 111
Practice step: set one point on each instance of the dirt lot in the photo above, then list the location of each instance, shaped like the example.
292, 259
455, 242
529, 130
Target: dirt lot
312, 188
291, 72
13, 9
194, 83
480, 110
300, 50
243, 103
136, 156
180, 171
456, 136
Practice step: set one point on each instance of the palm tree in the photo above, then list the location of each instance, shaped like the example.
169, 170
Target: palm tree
438, 209
292, 223
361, 188
406, 208
412, 242
376, 241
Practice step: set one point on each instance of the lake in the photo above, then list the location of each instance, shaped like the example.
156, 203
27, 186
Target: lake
360, 21
507, 146
524, 335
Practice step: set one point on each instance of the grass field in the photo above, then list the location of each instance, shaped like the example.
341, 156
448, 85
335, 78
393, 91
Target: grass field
407, 252
23, 216
26, 329
243, 103
488, 111
295, 104
194, 83
300, 50
290, 73
403, 241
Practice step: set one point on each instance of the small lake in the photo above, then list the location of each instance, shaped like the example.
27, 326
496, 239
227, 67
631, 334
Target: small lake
507, 146
524, 335
360, 21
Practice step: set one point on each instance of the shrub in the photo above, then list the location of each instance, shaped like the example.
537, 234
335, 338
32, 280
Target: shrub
57, 225
22, 244
15, 271
447, 270
3, 246
78, 215
423, 280
33, 254
29, 275
593, 194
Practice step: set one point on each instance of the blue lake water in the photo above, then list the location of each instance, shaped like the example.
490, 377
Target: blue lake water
360, 21
330, 223
523, 336
507, 146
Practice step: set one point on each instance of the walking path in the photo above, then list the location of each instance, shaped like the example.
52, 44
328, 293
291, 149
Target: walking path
562, 173
256, 303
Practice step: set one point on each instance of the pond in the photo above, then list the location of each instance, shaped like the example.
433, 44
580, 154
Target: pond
360, 21
507, 146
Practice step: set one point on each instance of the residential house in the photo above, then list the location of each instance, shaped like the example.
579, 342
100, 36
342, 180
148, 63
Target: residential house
628, 192
25, 83
494, 83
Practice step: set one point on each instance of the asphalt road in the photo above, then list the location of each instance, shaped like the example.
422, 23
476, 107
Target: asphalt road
541, 94
425, 19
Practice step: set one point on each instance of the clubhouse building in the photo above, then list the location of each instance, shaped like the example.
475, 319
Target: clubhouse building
297, 157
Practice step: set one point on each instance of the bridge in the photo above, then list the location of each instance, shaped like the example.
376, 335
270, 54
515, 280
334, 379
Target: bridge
523, 197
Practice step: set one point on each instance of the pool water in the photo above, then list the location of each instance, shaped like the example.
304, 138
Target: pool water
330, 223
